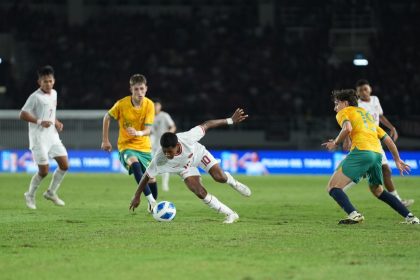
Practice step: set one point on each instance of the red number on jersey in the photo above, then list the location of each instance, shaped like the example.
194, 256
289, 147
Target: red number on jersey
205, 160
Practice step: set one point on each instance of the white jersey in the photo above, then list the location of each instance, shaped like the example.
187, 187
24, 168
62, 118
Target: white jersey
189, 156
161, 124
43, 107
373, 107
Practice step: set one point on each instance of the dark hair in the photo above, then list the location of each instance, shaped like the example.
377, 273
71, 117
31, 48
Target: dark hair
349, 95
138, 79
168, 140
45, 71
362, 82
157, 100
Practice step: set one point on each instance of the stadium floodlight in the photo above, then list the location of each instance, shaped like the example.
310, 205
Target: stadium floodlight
360, 60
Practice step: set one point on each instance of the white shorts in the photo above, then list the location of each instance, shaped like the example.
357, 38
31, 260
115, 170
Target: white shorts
384, 159
206, 161
43, 153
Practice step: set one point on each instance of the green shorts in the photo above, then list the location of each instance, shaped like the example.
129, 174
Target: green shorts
143, 157
360, 163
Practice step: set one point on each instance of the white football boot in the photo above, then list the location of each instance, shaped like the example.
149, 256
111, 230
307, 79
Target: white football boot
30, 201
353, 218
150, 206
54, 198
241, 188
412, 220
231, 218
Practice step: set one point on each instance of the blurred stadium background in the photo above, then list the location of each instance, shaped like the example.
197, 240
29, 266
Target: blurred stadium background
277, 59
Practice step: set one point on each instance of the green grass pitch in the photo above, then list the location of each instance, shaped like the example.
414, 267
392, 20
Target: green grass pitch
287, 230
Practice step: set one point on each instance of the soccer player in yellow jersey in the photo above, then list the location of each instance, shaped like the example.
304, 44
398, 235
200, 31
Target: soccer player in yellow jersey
135, 115
365, 157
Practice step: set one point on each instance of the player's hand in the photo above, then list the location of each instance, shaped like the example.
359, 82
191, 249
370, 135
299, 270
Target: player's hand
46, 124
402, 167
59, 125
238, 116
131, 131
135, 202
106, 146
394, 134
330, 145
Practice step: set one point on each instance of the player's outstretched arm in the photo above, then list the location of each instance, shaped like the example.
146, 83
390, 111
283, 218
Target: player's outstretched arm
401, 165
237, 117
135, 201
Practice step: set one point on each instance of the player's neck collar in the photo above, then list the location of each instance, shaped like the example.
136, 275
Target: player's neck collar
43, 92
134, 104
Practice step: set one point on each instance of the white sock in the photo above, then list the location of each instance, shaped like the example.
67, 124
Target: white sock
35, 182
395, 193
56, 180
165, 181
215, 204
230, 180
150, 198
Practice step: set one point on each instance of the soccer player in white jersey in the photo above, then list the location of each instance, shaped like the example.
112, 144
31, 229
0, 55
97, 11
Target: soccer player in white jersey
44, 142
181, 153
372, 105
163, 123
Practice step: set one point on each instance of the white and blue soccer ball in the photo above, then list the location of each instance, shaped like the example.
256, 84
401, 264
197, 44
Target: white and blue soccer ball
164, 211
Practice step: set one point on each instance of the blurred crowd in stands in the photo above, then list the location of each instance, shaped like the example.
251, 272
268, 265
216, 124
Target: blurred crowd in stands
203, 64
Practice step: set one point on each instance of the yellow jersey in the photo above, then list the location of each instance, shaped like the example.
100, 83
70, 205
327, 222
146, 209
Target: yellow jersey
129, 116
365, 134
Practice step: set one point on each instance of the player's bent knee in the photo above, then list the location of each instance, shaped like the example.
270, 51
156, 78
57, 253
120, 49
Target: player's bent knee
376, 190
64, 167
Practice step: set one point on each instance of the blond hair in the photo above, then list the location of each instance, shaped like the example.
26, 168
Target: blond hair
138, 79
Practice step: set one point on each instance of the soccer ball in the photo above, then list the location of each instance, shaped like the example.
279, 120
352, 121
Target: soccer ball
164, 211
